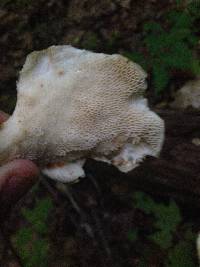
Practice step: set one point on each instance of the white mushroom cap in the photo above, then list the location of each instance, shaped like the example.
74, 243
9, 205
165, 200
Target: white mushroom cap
74, 104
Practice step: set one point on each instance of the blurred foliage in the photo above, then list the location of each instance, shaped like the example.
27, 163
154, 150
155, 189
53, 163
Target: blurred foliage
166, 221
90, 41
167, 218
112, 41
31, 241
167, 46
16, 3
182, 253
170, 45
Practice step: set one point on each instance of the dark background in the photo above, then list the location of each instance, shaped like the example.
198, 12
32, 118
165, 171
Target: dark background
97, 222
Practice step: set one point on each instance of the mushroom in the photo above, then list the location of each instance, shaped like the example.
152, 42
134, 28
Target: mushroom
188, 95
74, 104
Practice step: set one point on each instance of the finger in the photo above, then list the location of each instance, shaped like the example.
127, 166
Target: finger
16, 178
3, 116
17, 168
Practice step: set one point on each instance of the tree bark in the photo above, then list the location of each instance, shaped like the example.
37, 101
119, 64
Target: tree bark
176, 173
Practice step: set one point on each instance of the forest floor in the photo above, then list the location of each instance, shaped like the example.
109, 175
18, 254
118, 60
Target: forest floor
105, 219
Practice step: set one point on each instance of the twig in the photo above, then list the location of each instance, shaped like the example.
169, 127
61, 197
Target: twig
65, 190
50, 189
83, 224
101, 234
95, 184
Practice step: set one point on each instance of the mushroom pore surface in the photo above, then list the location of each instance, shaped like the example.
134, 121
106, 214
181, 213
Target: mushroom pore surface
74, 104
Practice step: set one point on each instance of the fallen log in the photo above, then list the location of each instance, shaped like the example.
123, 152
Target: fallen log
176, 173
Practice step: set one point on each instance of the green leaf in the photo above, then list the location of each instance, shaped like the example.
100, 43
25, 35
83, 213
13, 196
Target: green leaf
133, 235
180, 57
171, 46
143, 202
160, 77
195, 66
183, 20
136, 57
181, 255
167, 218
193, 9
179, 19
180, 34
31, 242
156, 44
39, 214
22, 241
24, 235
39, 257
162, 238
153, 27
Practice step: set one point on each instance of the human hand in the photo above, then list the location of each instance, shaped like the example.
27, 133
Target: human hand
16, 178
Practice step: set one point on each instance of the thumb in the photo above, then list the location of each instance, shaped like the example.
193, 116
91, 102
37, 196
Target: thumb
16, 178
